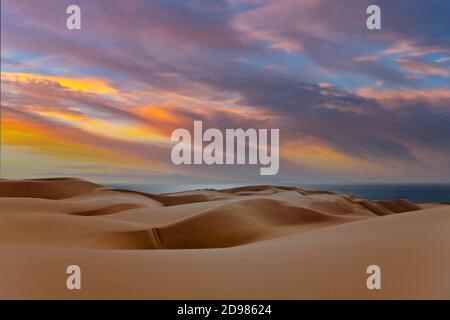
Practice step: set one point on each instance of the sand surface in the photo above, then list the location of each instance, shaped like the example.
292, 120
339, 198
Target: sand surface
262, 242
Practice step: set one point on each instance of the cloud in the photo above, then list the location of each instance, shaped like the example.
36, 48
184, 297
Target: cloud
423, 68
441, 60
91, 85
334, 37
432, 100
139, 69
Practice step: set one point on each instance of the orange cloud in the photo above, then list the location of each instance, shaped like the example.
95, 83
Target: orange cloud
91, 85
65, 141
438, 96
314, 153
19, 132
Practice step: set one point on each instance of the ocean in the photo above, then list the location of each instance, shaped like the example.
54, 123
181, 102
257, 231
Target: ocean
418, 193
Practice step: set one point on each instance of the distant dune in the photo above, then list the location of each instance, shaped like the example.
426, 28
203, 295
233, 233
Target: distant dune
256, 242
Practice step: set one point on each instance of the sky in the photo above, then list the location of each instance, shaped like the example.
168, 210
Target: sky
100, 103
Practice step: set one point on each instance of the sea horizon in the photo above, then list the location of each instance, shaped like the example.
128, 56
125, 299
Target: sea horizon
414, 192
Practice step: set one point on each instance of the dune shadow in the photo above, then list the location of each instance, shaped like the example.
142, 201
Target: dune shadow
107, 210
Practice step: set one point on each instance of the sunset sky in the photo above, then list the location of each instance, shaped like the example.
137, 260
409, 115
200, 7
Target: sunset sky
100, 103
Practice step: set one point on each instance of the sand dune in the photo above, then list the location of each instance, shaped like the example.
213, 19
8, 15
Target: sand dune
56, 188
398, 206
249, 242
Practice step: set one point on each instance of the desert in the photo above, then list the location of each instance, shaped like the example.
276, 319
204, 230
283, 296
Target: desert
256, 242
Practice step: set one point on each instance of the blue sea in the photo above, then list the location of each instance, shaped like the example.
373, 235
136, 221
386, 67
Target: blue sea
418, 193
